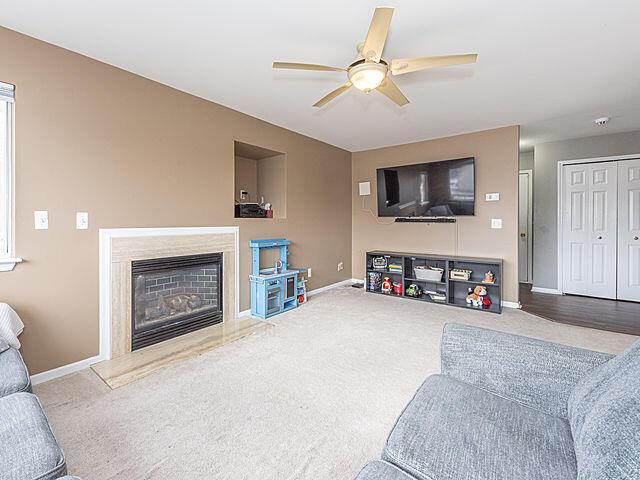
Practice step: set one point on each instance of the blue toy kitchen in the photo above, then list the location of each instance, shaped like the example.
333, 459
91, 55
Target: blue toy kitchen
275, 289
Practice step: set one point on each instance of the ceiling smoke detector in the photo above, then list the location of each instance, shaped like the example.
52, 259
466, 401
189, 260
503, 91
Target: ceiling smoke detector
602, 121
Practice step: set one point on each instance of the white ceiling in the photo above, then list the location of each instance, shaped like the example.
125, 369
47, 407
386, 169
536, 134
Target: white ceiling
549, 65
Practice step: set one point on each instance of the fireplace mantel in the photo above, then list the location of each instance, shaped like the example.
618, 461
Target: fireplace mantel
120, 246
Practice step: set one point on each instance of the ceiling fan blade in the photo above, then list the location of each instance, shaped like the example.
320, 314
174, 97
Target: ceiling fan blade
307, 66
330, 96
377, 34
392, 91
407, 65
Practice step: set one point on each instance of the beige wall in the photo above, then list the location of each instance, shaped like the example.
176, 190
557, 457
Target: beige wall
496, 153
246, 178
134, 153
272, 175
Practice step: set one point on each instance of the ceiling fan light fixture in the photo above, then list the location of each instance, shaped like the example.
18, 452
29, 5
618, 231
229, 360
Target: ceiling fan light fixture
367, 76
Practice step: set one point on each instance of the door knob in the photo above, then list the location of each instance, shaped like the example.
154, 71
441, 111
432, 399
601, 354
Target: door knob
599, 237
523, 235
635, 238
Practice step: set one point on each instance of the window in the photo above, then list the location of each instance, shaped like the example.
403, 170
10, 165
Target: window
6, 179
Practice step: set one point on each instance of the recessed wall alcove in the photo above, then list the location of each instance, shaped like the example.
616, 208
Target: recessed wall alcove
262, 174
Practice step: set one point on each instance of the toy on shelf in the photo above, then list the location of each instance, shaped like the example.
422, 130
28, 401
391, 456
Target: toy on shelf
489, 277
397, 288
413, 290
477, 296
379, 263
375, 279
275, 289
395, 268
386, 285
460, 274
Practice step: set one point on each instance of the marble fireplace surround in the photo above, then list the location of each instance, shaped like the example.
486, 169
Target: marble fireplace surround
120, 246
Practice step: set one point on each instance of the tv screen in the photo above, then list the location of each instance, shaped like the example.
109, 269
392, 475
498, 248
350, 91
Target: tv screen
434, 189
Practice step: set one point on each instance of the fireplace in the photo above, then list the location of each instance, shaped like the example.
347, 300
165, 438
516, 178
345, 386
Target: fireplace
173, 296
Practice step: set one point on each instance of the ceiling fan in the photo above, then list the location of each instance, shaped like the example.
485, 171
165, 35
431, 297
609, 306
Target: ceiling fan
370, 71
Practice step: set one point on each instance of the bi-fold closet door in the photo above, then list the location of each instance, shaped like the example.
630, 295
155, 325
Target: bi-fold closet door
601, 229
629, 230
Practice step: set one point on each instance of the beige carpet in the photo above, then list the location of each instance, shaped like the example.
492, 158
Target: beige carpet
313, 398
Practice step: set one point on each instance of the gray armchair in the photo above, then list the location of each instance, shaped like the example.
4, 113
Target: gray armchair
28, 448
510, 407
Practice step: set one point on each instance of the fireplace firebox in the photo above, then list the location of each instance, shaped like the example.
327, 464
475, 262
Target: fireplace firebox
174, 296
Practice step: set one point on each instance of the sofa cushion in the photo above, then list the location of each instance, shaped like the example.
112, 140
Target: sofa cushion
381, 470
14, 376
28, 449
604, 413
452, 430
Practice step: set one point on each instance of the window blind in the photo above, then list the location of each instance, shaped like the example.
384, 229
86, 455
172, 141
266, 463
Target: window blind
7, 92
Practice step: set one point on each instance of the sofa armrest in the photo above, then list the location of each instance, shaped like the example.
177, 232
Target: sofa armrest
532, 372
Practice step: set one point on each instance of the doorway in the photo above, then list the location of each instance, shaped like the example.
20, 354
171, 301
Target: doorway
525, 226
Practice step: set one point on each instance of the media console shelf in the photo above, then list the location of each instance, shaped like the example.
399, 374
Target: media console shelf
455, 291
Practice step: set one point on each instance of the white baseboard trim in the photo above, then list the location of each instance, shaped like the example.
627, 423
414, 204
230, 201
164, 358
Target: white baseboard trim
343, 283
64, 370
551, 291
517, 305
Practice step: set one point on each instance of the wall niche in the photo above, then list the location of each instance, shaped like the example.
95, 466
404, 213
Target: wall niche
260, 176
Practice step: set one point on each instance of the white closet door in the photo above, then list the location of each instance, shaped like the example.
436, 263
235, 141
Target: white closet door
575, 231
603, 225
629, 230
589, 229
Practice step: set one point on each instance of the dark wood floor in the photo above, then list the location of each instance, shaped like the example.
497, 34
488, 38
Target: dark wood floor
612, 315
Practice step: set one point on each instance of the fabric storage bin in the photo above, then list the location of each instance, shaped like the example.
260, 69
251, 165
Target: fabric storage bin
429, 274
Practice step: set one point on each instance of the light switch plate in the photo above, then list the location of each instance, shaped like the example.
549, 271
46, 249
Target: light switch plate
82, 220
41, 220
496, 223
492, 197
364, 188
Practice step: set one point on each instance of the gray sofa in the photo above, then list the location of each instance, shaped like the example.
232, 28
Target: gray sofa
28, 448
513, 408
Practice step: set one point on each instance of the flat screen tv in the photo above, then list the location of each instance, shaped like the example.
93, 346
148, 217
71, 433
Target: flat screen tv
434, 189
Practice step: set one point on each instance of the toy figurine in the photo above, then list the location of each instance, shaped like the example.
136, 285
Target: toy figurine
489, 277
386, 285
413, 290
397, 288
476, 296
486, 303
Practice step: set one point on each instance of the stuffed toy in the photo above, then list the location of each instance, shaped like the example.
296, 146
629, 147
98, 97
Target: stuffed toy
477, 295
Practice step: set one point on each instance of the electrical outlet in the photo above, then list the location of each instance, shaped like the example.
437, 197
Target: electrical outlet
41, 220
243, 194
496, 223
340, 266
309, 272
82, 220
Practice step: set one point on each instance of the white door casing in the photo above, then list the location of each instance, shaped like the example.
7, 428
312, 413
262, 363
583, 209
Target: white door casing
589, 229
629, 230
524, 226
